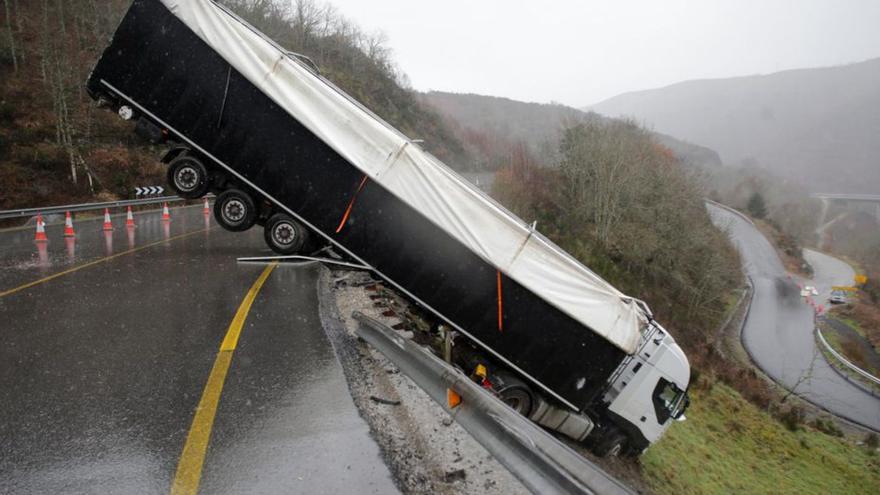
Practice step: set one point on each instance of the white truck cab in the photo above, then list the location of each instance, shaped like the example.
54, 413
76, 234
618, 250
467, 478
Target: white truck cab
650, 390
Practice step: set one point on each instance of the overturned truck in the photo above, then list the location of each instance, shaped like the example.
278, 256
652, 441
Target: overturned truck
284, 148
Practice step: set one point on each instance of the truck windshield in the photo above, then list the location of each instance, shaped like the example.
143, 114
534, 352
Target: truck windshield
669, 401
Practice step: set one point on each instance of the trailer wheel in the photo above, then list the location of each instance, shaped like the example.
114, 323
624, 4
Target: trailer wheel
235, 210
612, 443
188, 177
516, 394
285, 235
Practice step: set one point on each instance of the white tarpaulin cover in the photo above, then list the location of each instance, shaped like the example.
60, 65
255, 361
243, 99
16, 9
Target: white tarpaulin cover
416, 177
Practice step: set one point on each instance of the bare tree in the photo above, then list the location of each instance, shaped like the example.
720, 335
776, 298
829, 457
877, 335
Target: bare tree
804, 378
12, 53
600, 162
60, 75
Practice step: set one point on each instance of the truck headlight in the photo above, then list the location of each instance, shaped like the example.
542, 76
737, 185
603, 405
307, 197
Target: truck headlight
126, 112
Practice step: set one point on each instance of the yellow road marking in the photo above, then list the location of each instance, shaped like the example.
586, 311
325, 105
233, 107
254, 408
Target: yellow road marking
95, 262
231, 339
189, 467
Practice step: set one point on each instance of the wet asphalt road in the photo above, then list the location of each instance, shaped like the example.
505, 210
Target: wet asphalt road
779, 330
102, 368
828, 271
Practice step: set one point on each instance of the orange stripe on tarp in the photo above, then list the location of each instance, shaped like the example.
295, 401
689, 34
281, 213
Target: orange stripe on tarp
351, 204
500, 305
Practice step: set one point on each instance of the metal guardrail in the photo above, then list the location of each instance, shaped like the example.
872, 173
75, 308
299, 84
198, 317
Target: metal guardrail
845, 361
541, 462
730, 209
847, 197
49, 210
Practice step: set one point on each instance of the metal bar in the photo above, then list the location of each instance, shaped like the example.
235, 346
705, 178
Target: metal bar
48, 210
846, 361
728, 208
541, 462
296, 257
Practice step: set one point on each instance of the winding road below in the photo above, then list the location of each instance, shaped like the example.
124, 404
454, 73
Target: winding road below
778, 332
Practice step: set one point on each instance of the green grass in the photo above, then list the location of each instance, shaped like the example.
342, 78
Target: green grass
854, 325
729, 300
727, 445
833, 339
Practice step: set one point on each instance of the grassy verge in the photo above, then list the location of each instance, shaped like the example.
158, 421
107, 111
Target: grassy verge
727, 445
833, 361
862, 314
833, 339
859, 352
855, 326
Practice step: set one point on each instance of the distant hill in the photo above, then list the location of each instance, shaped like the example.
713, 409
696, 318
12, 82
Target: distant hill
491, 126
819, 127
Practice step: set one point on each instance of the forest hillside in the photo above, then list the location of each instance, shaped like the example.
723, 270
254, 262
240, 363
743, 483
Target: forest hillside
57, 148
488, 126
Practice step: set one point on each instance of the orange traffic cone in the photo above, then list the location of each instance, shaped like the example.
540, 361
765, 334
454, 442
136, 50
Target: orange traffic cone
40, 236
68, 226
207, 209
129, 218
108, 225
166, 215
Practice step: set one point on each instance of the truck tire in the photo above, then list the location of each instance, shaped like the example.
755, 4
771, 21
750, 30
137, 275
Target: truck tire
235, 210
611, 444
188, 177
516, 394
285, 235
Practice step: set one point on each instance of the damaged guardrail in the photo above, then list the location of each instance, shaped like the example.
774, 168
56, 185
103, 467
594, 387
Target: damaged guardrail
541, 462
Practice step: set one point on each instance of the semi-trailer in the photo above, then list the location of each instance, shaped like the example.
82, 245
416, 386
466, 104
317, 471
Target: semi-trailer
286, 149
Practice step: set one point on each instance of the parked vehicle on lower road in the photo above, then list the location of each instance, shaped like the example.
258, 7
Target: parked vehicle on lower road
838, 296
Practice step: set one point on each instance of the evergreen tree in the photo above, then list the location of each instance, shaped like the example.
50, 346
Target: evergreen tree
756, 206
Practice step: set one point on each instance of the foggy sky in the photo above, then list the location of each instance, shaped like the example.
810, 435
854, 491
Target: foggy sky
582, 52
